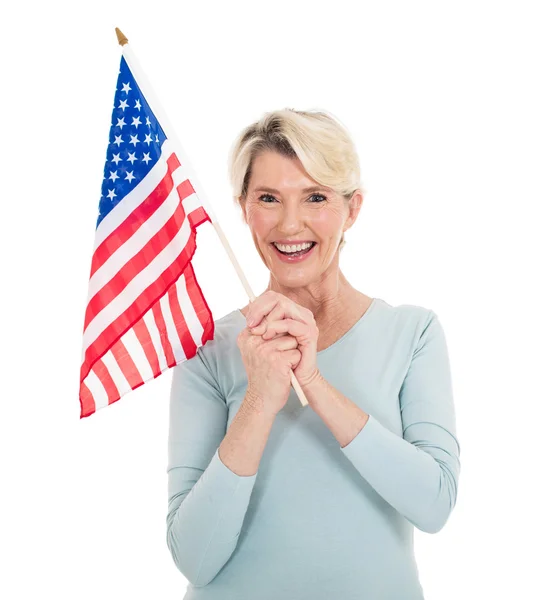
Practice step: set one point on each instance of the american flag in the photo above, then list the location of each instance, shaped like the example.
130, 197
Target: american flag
145, 311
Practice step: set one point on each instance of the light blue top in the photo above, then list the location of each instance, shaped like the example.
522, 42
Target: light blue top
317, 521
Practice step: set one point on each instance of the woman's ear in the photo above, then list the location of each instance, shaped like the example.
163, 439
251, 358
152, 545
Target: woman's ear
355, 203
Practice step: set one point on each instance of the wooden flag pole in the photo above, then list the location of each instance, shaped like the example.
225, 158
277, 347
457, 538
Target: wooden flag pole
170, 133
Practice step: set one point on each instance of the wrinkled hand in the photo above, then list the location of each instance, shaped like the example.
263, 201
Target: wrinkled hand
272, 314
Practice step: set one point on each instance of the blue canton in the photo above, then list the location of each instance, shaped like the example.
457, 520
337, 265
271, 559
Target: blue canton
134, 145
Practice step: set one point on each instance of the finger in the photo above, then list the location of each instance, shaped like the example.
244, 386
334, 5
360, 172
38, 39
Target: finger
295, 328
275, 306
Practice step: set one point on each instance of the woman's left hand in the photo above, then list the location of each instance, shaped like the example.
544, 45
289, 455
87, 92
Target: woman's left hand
272, 314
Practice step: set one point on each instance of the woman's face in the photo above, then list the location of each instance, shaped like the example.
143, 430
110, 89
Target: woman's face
284, 204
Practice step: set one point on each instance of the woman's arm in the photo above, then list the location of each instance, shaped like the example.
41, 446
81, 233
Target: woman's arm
208, 495
417, 474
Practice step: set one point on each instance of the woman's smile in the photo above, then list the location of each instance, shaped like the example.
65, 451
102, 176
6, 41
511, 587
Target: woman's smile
297, 257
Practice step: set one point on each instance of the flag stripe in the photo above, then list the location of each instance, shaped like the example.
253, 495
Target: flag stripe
138, 263
143, 289
135, 220
126, 364
151, 364
187, 344
141, 237
105, 377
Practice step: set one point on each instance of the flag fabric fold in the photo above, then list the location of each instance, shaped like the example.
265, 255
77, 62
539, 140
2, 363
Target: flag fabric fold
145, 310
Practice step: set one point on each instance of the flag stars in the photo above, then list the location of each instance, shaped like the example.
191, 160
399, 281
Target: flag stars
118, 140
121, 122
123, 104
157, 138
113, 175
148, 122
129, 176
148, 139
134, 140
126, 87
136, 121
116, 159
131, 158
138, 104
146, 157
111, 194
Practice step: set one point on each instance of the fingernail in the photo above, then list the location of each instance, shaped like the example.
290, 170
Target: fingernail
251, 323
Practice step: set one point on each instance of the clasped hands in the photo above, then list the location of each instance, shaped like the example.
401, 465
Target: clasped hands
272, 314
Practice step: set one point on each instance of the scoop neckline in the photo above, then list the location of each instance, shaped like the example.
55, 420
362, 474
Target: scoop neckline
362, 318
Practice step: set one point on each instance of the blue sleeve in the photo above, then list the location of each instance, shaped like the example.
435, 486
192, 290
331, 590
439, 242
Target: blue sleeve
417, 474
207, 501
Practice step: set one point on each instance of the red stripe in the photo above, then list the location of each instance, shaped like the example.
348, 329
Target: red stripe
143, 335
127, 364
135, 265
87, 404
142, 304
140, 215
99, 368
162, 330
185, 337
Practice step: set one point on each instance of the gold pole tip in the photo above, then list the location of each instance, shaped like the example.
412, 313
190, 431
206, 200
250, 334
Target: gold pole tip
121, 37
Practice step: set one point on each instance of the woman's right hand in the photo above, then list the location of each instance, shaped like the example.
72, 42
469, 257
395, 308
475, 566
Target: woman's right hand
269, 364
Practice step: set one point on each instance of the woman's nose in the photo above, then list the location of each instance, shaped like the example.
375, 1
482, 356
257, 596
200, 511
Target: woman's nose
291, 220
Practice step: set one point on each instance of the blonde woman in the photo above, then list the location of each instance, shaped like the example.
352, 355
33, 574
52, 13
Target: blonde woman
268, 499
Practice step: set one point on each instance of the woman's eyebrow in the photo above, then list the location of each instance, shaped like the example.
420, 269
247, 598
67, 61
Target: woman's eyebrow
305, 190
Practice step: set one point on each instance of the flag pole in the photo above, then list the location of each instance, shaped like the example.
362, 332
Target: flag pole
170, 133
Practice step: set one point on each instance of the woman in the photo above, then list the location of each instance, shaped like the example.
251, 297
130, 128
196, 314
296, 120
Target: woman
269, 499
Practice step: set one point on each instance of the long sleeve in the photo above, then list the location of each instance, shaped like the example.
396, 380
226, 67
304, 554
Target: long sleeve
207, 501
417, 474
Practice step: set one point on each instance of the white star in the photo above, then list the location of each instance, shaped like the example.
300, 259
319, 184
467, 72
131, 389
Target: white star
111, 194
148, 139
157, 138
118, 140
113, 175
116, 159
148, 121
138, 104
126, 87
146, 157
121, 122
123, 104
134, 139
131, 158
129, 176
136, 121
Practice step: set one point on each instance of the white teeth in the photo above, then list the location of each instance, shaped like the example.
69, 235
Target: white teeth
293, 248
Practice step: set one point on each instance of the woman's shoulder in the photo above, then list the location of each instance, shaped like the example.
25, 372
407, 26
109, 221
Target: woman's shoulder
403, 318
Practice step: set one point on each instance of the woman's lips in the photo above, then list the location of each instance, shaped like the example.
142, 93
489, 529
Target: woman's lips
293, 259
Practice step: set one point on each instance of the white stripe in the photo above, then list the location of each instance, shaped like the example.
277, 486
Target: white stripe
137, 353
137, 285
116, 373
192, 320
191, 203
172, 334
155, 335
137, 241
95, 386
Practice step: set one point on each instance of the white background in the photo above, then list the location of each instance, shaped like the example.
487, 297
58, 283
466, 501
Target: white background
447, 105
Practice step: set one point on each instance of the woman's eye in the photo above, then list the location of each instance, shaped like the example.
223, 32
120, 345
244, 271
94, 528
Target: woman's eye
320, 196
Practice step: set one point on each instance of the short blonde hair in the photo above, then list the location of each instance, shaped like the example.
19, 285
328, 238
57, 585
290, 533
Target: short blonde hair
317, 138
